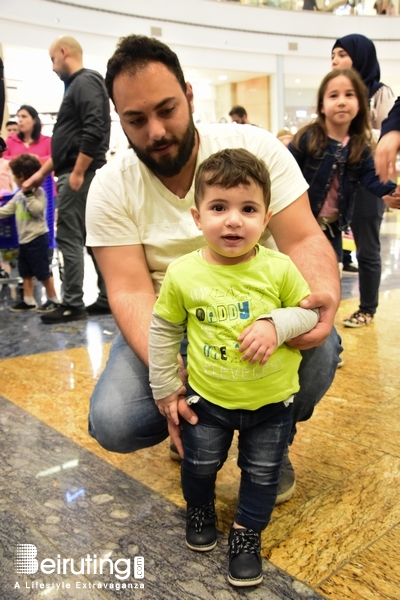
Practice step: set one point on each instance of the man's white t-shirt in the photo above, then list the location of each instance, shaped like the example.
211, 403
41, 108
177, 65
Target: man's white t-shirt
127, 204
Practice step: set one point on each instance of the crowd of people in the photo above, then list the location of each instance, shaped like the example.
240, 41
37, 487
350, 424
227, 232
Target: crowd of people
222, 277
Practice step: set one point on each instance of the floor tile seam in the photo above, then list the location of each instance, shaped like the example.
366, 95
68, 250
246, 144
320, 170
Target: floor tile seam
293, 577
223, 533
93, 454
347, 439
315, 586
97, 455
49, 352
312, 587
327, 489
357, 554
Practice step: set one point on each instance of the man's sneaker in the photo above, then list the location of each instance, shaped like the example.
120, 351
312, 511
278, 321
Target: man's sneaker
173, 452
47, 307
4, 274
358, 319
287, 481
64, 314
245, 567
97, 309
22, 307
201, 534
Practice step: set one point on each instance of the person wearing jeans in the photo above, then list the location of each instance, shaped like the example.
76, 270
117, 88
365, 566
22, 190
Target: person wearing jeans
359, 53
138, 221
135, 423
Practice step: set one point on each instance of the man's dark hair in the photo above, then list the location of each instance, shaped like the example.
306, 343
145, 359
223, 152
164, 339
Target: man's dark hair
230, 168
25, 165
135, 52
11, 122
238, 110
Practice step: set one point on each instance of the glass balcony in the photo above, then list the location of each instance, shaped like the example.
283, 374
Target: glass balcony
337, 7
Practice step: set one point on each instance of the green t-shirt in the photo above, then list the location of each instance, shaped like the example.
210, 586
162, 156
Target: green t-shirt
217, 303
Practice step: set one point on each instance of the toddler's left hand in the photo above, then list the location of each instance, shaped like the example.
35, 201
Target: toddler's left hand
258, 341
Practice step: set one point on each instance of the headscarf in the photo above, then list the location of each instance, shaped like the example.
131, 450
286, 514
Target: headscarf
363, 55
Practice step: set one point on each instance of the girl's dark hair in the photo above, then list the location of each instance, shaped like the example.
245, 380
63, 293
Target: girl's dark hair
25, 165
135, 52
230, 168
360, 127
37, 126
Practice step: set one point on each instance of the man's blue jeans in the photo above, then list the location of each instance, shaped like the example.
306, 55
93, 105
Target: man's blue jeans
124, 417
263, 439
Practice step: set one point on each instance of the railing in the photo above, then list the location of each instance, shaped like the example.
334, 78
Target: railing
339, 7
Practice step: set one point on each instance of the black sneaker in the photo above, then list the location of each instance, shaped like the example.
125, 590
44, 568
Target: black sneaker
201, 534
245, 567
64, 314
98, 309
350, 268
4, 274
47, 307
22, 307
287, 481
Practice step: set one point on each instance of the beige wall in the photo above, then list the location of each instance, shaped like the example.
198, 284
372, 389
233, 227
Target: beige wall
224, 100
254, 96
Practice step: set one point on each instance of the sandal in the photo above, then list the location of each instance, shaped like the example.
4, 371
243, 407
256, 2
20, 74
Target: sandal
358, 319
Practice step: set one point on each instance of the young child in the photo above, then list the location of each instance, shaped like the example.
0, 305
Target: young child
335, 156
30, 216
229, 296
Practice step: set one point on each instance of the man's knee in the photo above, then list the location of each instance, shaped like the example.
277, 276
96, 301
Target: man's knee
316, 374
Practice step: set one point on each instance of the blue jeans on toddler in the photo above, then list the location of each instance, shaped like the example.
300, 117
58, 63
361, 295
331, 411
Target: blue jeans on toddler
263, 438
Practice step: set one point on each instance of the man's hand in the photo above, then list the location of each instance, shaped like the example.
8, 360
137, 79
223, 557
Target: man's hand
174, 429
385, 155
76, 180
393, 201
327, 311
168, 406
258, 341
33, 182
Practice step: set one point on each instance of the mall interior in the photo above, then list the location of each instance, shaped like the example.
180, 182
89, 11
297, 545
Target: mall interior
62, 496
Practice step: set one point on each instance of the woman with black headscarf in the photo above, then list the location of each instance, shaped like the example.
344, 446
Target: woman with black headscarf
358, 52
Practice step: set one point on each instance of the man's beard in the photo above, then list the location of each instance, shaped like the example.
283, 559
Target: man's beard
168, 166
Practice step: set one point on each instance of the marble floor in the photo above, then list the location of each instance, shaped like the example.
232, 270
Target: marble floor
337, 538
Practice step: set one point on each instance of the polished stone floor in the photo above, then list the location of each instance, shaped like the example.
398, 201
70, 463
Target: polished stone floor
338, 538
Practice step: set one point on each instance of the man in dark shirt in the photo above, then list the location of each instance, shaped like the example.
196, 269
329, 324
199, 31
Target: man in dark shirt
79, 145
